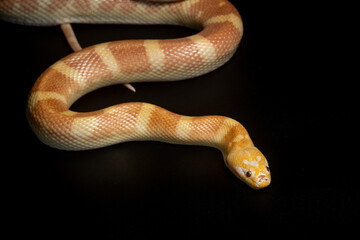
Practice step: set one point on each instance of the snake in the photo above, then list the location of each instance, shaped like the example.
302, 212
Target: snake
219, 30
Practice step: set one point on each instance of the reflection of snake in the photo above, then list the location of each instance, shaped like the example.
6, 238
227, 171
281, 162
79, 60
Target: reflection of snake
134, 61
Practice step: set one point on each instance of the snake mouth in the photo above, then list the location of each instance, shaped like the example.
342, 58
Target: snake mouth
262, 181
255, 182
258, 183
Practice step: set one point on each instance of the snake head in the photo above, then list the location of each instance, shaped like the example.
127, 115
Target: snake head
249, 165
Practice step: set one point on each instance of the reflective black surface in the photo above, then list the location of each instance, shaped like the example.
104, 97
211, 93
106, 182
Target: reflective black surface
283, 85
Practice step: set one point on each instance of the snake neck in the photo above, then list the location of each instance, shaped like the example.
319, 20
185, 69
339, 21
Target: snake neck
236, 137
223, 133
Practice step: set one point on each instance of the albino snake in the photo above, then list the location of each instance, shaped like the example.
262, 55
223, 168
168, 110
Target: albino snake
131, 61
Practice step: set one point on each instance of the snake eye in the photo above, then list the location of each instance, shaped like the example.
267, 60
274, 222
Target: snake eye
248, 174
267, 168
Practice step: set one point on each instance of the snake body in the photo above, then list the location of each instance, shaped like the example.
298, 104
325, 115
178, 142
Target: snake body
130, 61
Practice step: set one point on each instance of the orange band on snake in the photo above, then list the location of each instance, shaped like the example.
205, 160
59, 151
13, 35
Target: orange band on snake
220, 30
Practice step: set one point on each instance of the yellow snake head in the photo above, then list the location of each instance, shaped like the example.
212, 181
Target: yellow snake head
249, 165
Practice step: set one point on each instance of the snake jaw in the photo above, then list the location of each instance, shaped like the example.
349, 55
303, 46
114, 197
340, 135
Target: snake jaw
255, 181
262, 181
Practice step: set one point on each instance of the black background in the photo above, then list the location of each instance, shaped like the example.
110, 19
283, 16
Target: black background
286, 84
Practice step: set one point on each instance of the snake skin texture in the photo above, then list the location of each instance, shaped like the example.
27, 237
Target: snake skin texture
220, 30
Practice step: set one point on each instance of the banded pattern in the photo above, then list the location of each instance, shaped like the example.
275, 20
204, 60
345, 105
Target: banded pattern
134, 61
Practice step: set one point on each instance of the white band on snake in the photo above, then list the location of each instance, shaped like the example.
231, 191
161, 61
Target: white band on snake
122, 62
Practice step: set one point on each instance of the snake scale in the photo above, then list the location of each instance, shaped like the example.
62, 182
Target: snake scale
48, 109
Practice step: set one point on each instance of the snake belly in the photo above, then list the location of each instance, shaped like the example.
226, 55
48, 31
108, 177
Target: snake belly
48, 110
